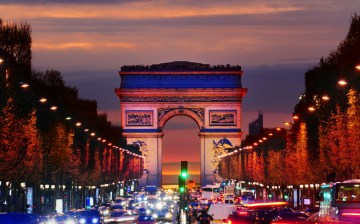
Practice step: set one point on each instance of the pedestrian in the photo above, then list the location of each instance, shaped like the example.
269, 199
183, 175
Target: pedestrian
204, 217
193, 216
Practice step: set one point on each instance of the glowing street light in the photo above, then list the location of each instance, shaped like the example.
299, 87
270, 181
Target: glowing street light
1, 60
357, 67
295, 117
24, 85
311, 108
78, 124
325, 98
342, 82
53, 108
43, 100
287, 123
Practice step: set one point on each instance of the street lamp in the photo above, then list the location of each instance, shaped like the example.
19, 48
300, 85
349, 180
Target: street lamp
325, 98
311, 108
357, 67
342, 82
24, 85
43, 100
295, 117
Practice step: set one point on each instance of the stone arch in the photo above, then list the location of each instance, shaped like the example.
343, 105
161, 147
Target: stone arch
181, 111
211, 96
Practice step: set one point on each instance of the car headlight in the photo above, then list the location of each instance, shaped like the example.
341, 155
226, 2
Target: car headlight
82, 221
159, 206
51, 221
155, 215
70, 222
95, 220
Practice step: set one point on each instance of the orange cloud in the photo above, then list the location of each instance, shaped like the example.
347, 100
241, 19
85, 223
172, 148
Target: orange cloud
81, 45
62, 46
139, 10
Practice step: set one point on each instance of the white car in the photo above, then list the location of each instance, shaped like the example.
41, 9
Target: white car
118, 217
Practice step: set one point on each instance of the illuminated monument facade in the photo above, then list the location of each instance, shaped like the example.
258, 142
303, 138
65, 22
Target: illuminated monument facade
210, 95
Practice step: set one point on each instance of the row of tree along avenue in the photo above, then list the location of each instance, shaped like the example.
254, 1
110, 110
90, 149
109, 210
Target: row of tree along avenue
322, 144
53, 144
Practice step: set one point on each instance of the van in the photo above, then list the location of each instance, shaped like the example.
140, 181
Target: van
220, 211
229, 199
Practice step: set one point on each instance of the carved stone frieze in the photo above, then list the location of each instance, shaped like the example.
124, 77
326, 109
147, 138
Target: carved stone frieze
180, 99
200, 112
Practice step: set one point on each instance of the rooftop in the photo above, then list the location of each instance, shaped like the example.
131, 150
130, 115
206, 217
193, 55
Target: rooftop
180, 66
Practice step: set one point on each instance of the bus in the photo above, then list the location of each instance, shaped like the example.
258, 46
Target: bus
247, 196
210, 192
340, 201
151, 192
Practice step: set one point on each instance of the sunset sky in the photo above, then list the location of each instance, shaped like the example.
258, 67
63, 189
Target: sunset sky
275, 42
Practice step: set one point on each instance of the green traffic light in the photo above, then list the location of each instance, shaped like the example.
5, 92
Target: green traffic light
184, 174
182, 189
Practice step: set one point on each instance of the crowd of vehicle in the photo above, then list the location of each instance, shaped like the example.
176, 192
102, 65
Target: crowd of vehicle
231, 209
340, 204
134, 208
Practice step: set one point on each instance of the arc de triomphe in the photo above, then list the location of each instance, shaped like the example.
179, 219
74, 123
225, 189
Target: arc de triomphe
210, 95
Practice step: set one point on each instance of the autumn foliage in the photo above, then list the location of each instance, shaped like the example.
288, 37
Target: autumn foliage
40, 146
321, 146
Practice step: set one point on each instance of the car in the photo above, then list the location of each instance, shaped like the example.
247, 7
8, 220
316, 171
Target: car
145, 219
312, 210
291, 217
116, 207
220, 211
119, 217
18, 218
163, 214
88, 216
60, 219
241, 215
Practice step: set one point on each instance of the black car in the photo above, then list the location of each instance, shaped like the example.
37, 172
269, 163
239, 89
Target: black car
18, 218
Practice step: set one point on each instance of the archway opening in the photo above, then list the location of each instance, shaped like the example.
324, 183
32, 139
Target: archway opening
180, 143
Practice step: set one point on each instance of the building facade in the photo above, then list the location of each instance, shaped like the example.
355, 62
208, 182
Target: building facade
210, 95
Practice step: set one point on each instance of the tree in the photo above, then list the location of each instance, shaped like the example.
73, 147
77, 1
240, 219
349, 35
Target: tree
354, 130
16, 40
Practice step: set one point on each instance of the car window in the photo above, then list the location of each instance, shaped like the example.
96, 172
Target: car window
116, 214
146, 218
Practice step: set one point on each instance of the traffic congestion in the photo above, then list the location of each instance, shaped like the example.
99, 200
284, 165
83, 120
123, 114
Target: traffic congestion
207, 204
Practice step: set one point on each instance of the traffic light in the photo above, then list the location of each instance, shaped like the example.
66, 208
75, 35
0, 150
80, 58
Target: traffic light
182, 177
286, 196
184, 169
